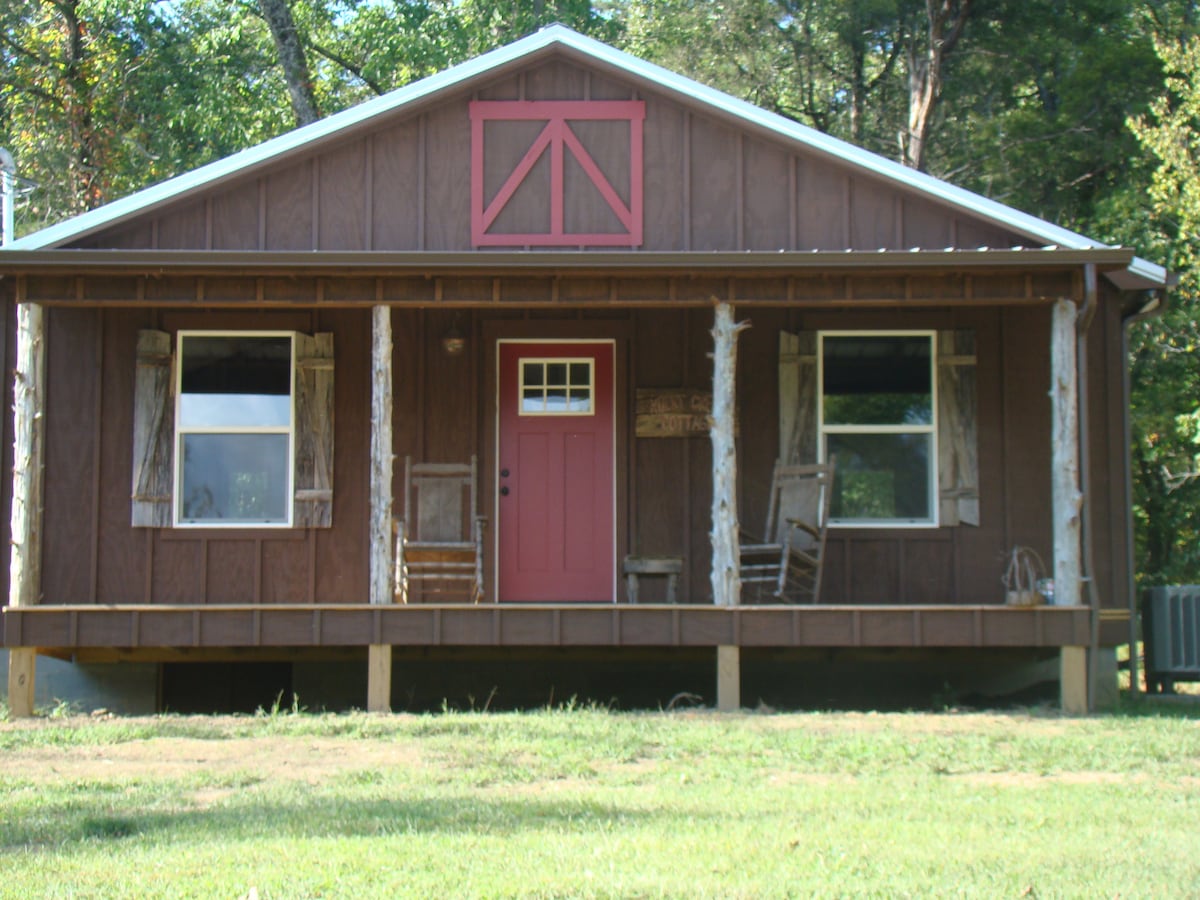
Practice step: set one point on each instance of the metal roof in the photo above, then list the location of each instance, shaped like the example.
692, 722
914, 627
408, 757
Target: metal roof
1138, 274
553, 262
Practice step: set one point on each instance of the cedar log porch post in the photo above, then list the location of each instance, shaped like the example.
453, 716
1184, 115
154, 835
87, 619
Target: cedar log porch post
726, 581
25, 552
379, 656
1067, 497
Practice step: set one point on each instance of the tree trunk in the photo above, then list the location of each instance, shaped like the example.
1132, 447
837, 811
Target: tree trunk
84, 174
291, 57
25, 550
25, 554
381, 588
1067, 499
726, 581
944, 22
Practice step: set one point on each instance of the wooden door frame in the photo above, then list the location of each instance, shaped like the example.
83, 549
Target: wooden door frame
534, 331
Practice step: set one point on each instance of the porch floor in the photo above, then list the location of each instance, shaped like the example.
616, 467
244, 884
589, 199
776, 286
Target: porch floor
65, 628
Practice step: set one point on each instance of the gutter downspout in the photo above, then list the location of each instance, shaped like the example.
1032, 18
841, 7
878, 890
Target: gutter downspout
1155, 306
1082, 323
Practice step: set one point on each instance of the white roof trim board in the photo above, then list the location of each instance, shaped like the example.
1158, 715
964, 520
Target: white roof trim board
1145, 274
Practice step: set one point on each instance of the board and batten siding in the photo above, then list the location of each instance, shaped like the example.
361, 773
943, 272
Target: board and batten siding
404, 184
92, 373
441, 414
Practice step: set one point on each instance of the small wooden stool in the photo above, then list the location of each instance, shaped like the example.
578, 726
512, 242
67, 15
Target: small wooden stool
670, 566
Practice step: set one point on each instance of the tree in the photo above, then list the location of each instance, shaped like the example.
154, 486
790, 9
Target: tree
1166, 359
59, 71
1035, 117
101, 97
930, 43
1171, 132
868, 71
292, 59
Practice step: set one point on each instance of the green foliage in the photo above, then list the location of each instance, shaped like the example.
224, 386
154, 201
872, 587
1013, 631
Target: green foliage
1035, 117
1165, 410
101, 97
1171, 131
829, 64
1166, 351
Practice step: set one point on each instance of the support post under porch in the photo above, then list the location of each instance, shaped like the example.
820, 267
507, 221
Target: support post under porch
25, 552
1073, 680
729, 678
379, 656
1067, 498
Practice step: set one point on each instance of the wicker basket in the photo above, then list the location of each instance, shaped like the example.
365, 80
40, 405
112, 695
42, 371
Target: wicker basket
1021, 578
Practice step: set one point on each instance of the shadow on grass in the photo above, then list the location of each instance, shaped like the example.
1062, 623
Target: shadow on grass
77, 820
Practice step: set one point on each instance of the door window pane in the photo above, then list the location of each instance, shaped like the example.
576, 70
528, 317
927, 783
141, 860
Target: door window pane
533, 374
560, 387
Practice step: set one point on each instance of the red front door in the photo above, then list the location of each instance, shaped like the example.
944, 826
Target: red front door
555, 473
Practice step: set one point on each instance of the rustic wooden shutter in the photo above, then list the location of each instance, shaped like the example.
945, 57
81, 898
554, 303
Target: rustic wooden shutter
153, 431
958, 450
798, 397
314, 432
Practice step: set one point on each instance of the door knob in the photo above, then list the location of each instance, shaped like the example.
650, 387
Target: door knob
504, 473
504, 492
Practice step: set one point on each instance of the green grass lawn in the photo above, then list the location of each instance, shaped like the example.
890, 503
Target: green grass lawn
591, 803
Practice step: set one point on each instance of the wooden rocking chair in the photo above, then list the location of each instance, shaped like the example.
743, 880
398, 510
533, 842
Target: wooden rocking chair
439, 541
785, 562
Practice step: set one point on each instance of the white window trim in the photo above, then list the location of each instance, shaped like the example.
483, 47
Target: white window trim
544, 361
931, 429
180, 431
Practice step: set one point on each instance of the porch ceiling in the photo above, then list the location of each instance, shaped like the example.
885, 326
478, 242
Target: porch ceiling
542, 625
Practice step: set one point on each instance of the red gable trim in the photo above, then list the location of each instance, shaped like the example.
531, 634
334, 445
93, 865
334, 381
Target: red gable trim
556, 136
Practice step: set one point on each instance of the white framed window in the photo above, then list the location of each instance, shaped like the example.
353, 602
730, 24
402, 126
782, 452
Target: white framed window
557, 387
877, 413
234, 428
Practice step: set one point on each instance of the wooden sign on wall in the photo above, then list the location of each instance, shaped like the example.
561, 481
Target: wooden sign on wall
672, 412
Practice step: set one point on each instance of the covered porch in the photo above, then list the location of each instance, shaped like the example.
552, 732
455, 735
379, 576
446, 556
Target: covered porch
412, 303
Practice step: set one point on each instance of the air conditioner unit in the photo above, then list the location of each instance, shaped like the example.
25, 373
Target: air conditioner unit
1171, 635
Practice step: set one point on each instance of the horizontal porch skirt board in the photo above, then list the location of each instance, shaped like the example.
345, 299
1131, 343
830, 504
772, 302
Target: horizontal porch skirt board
543, 625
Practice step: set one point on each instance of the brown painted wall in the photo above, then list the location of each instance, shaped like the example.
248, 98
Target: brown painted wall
405, 185
95, 556
444, 410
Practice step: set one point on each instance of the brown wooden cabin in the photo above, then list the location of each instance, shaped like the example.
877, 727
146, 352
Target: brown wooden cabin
560, 193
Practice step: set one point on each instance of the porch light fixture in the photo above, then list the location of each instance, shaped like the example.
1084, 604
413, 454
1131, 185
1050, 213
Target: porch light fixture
453, 341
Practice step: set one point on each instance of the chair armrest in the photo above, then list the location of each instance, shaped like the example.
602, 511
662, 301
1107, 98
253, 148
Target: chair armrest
759, 550
400, 534
804, 526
